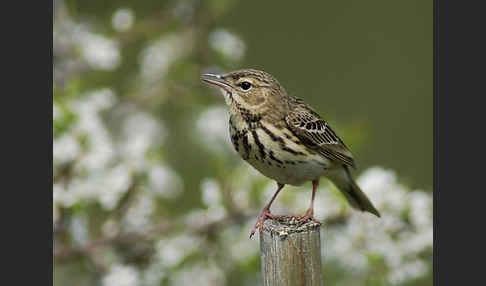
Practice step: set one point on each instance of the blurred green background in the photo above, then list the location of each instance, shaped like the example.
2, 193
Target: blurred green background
147, 189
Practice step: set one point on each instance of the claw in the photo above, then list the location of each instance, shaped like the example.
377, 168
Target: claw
261, 219
309, 215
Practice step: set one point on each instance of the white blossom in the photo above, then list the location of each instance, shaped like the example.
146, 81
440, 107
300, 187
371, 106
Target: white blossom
100, 52
239, 247
171, 251
212, 129
157, 57
101, 149
407, 271
211, 193
79, 229
140, 132
228, 44
138, 216
55, 111
164, 182
65, 148
203, 274
123, 19
121, 275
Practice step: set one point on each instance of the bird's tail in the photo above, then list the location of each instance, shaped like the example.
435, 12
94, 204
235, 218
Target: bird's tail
348, 187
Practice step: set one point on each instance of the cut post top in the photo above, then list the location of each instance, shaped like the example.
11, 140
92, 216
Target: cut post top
287, 225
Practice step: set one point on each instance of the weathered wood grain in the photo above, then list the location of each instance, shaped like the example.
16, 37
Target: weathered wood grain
290, 254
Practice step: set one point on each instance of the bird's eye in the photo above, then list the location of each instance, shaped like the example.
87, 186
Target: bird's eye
245, 85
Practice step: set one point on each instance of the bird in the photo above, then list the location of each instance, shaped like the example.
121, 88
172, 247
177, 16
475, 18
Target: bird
285, 139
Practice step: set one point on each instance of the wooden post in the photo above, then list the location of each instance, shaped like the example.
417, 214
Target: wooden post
290, 255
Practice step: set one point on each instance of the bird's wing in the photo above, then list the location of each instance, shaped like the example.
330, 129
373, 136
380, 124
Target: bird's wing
317, 135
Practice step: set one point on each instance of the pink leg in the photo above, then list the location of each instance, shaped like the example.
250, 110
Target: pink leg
266, 212
309, 214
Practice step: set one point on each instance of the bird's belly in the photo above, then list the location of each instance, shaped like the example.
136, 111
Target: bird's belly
292, 174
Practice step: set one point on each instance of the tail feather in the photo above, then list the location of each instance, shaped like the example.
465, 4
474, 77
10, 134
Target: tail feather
351, 191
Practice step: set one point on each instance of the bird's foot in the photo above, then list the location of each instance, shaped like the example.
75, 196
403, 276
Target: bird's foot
309, 215
261, 219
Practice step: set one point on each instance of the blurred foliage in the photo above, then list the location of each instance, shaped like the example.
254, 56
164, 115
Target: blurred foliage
147, 188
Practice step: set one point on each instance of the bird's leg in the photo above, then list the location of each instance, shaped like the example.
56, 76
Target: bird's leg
309, 214
266, 212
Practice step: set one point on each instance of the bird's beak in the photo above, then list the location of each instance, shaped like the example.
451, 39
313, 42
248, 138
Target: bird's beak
216, 79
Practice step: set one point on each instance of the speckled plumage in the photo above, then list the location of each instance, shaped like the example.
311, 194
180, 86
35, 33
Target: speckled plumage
284, 138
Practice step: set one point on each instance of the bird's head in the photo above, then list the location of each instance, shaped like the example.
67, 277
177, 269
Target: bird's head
248, 88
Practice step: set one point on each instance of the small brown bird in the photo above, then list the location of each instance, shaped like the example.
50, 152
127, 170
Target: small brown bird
285, 139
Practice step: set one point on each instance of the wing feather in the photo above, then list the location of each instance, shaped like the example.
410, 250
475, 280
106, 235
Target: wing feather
316, 134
